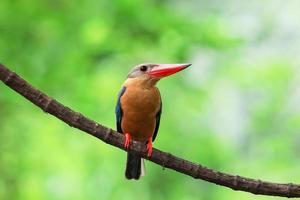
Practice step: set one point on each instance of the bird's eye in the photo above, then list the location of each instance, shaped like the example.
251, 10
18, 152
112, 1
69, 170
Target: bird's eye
143, 68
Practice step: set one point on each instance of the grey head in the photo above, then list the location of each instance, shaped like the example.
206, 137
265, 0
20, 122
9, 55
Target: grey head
140, 70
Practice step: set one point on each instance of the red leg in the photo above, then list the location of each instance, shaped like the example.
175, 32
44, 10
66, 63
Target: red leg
149, 147
127, 140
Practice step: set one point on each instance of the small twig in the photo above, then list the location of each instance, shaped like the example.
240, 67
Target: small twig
164, 159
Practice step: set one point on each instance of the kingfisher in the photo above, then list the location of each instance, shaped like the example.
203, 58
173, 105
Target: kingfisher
138, 110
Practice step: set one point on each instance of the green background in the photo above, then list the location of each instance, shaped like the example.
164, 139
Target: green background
236, 109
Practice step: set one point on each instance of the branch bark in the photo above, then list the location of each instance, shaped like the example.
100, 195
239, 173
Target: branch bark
167, 160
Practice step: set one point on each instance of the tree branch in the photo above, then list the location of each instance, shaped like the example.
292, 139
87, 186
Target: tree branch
167, 160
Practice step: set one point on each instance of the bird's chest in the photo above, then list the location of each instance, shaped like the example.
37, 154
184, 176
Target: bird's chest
140, 107
141, 103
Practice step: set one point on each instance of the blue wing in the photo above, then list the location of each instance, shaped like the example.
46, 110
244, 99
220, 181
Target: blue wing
157, 122
118, 111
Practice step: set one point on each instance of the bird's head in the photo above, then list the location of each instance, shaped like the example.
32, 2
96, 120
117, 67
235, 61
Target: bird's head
150, 74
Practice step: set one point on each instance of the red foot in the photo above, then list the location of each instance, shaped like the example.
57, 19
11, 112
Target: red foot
127, 140
149, 147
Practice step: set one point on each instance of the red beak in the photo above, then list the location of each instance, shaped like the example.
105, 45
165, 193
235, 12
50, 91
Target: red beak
163, 70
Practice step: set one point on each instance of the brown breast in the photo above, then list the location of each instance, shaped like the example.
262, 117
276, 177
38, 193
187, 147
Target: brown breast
140, 106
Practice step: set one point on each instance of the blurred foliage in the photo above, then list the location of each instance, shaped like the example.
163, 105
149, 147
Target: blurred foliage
236, 108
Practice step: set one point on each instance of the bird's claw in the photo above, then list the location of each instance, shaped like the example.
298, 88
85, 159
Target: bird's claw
149, 147
127, 140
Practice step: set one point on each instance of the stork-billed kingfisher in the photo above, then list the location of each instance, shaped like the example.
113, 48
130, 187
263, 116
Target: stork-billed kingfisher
138, 110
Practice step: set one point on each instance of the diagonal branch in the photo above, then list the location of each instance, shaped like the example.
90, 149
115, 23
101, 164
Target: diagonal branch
167, 160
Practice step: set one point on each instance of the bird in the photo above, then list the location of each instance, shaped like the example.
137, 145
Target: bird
138, 110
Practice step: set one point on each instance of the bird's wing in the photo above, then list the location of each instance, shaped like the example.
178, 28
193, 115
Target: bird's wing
158, 114
118, 110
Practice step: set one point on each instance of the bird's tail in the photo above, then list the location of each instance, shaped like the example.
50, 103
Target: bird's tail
135, 167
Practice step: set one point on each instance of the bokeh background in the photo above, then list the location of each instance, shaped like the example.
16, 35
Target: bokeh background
235, 110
